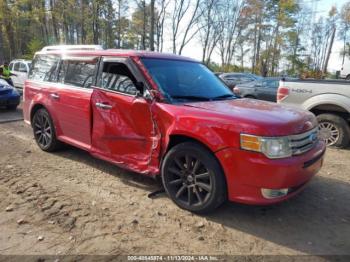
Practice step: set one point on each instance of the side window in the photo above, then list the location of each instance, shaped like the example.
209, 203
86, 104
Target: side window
117, 77
77, 73
11, 66
16, 67
44, 68
22, 68
233, 77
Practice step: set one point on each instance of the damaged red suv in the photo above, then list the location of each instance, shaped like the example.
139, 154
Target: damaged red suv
168, 115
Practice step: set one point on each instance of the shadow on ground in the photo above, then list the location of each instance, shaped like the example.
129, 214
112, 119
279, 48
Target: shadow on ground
315, 222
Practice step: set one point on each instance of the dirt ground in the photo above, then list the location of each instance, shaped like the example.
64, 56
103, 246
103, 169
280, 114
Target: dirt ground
70, 203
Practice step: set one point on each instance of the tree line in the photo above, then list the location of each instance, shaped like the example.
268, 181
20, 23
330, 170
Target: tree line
264, 37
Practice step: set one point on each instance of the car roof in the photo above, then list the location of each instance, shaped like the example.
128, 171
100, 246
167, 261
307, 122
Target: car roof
118, 53
20, 60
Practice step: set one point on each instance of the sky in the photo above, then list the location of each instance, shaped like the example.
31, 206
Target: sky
194, 49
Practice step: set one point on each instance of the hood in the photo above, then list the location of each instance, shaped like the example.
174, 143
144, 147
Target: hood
260, 117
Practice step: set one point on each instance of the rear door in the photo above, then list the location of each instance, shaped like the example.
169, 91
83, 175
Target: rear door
123, 130
268, 91
71, 99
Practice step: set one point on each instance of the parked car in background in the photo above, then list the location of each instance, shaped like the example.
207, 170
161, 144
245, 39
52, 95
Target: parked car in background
345, 69
9, 97
265, 89
233, 79
21, 69
329, 100
170, 116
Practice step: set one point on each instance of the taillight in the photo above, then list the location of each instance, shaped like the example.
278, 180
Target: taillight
282, 93
236, 91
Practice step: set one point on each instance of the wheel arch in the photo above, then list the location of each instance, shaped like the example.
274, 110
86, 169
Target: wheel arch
331, 108
328, 102
34, 109
250, 96
176, 139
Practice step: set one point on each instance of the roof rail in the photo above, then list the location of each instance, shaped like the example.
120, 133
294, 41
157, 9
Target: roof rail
71, 47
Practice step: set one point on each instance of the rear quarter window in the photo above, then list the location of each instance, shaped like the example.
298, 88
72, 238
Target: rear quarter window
44, 67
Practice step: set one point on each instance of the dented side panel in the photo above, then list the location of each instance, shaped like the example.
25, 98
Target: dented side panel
124, 134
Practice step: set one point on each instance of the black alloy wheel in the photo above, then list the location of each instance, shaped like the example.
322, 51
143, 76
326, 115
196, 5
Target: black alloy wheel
193, 178
44, 131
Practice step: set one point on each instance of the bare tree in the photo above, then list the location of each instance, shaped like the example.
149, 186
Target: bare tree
160, 22
152, 31
230, 30
331, 30
121, 14
184, 9
210, 25
344, 32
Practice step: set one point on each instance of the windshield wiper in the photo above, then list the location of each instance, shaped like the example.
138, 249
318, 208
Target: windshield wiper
197, 98
223, 97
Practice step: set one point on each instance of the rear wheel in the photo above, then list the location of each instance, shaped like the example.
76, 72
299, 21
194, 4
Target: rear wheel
193, 178
334, 130
347, 77
44, 131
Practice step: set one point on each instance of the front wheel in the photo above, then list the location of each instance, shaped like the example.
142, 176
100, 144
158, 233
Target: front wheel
193, 178
334, 130
44, 131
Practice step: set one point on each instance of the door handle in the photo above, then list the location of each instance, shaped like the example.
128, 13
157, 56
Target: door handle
55, 96
103, 106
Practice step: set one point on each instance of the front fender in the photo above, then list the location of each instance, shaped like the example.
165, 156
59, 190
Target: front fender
212, 131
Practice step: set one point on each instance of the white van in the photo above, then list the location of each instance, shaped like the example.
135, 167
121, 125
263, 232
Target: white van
20, 68
345, 70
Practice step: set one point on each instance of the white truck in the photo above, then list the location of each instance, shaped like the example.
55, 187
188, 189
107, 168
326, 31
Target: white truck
329, 100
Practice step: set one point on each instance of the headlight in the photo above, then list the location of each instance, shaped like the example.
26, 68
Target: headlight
272, 147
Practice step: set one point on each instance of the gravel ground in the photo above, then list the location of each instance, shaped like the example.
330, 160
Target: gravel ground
70, 203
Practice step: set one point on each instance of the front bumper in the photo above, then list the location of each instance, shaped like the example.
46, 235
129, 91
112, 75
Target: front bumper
247, 173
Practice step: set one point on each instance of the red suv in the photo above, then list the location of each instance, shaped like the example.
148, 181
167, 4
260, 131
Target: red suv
167, 115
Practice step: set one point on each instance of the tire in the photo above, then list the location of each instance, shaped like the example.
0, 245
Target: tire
11, 107
201, 188
334, 130
44, 131
347, 77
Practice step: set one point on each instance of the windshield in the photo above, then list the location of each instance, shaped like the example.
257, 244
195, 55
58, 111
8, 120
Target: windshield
182, 80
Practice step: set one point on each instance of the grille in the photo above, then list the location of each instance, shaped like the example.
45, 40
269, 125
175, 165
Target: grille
302, 143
